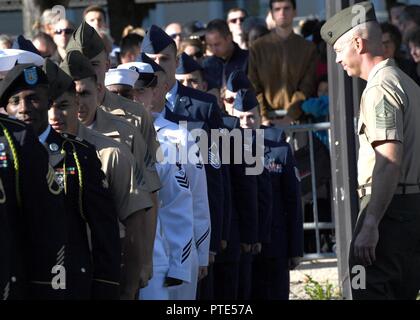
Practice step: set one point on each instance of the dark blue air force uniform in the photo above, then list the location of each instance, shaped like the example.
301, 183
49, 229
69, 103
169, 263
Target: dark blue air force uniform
232, 282
271, 268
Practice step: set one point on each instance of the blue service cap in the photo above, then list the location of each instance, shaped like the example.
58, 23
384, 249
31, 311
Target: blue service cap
245, 101
187, 64
156, 41
238, 80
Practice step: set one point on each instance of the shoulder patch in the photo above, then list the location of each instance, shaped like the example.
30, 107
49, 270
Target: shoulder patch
385, 115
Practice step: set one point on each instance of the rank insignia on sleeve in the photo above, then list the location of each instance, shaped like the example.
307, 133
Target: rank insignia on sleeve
385, 115
214, 159
181, 177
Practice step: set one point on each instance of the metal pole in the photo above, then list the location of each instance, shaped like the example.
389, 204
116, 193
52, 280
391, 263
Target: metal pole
343, 156
314, 192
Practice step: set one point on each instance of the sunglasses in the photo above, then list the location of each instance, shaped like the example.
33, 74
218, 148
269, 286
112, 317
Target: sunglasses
66, 31
175, 35
235, 20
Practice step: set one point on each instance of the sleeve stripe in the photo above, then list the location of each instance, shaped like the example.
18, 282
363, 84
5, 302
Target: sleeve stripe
203, 237
188, 244
185, 258
187, 250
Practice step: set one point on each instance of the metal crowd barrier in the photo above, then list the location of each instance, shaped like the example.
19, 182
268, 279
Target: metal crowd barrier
317, 226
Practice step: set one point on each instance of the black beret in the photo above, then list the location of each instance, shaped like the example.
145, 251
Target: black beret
21, 77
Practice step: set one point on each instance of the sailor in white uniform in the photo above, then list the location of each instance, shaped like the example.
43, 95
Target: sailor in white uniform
151, 85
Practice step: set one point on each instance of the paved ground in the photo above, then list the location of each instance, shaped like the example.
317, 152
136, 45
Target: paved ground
319, 270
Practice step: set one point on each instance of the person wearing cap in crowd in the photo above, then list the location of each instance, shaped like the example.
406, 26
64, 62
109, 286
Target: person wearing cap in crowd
280, 251
386, 239
87, 41
187, 104
174, 30
147, 82
189, 73
232, 276
227, 55
27, 256
238, 80
92, 116
282, 67
153, 77
91, 272
121, 82
123, 176
201, 111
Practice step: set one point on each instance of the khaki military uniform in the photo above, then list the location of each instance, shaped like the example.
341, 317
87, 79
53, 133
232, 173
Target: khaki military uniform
390, 111
136, 114
124, 178
122, 131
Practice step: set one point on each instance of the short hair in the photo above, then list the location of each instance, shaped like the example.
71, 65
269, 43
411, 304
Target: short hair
95, 8
4, 38
129, 43
411, 13
42, 36
372, 33
394, 33
220, 26
236, 9
293, 2
414, 37
191, 42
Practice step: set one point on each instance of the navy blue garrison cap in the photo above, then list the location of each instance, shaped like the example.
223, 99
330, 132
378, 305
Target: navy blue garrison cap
24, 44
145, 59
245, 101
238, 80
156, 40
187, 64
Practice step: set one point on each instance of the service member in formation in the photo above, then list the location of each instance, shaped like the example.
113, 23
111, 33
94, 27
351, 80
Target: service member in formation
124, 178
91, 260
271, 267
120, 130
32, 237
186, 104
